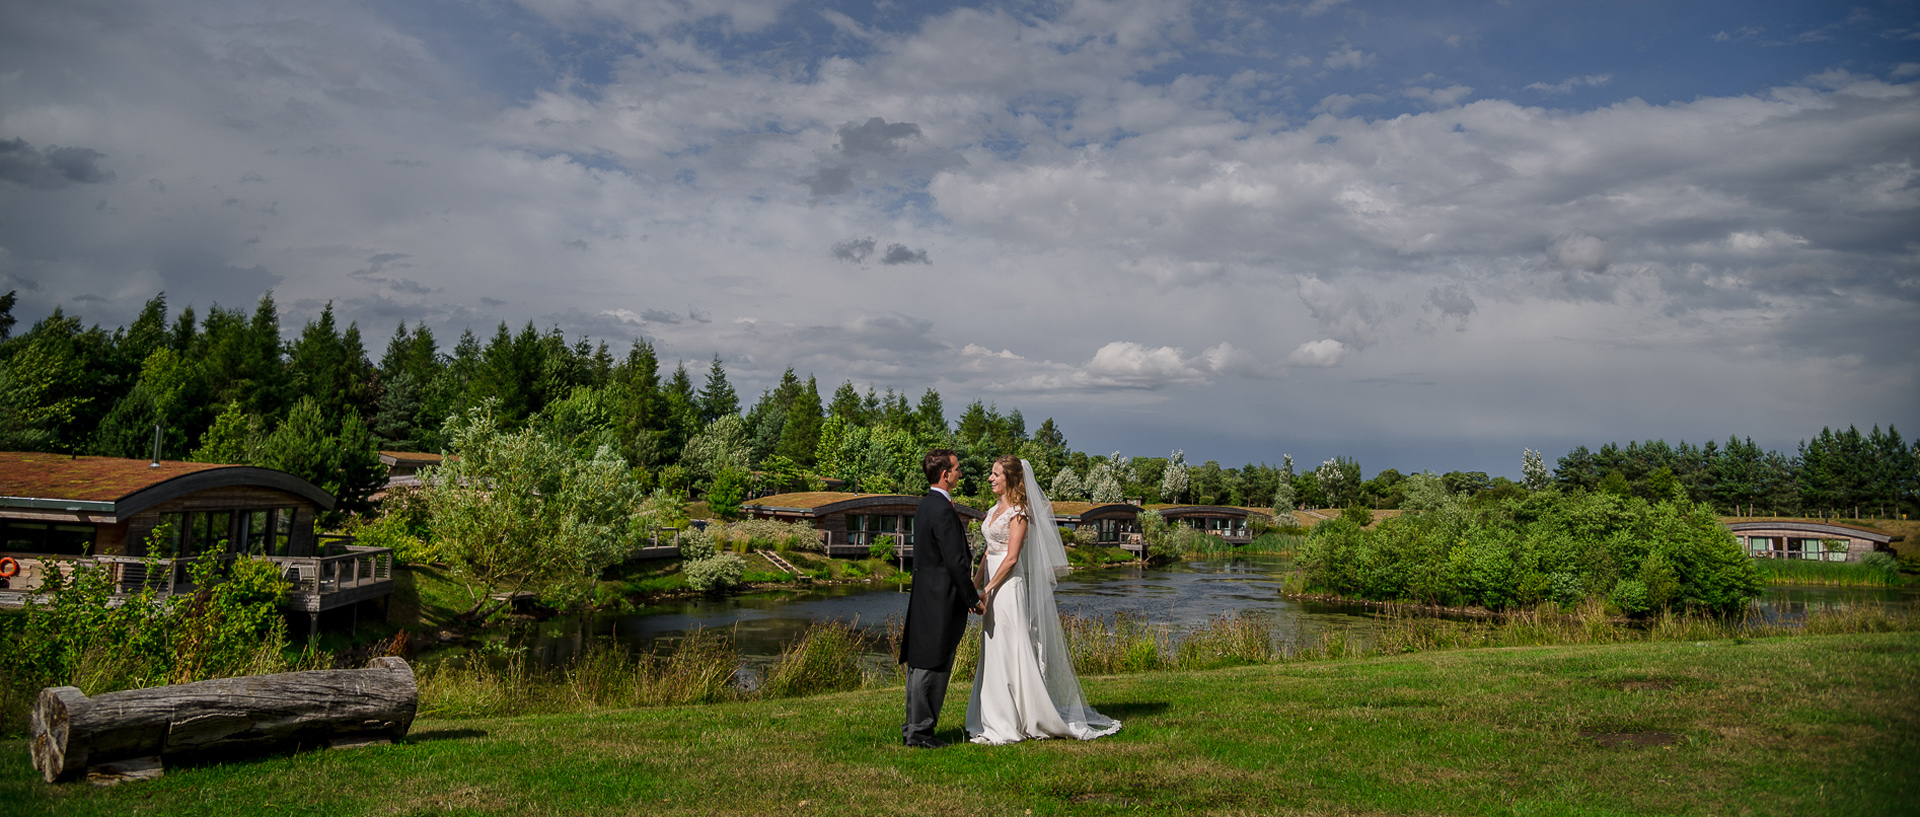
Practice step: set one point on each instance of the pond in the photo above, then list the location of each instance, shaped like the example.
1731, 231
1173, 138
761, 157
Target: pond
1181, 596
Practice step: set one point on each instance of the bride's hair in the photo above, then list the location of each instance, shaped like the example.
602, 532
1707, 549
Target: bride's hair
1016, 494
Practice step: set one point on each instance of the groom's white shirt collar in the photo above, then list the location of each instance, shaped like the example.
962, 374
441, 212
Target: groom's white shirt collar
943, 492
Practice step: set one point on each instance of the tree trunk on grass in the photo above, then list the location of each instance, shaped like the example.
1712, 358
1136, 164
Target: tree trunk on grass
226, 717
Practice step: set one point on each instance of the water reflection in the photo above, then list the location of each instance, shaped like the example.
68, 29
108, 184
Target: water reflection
1181, 596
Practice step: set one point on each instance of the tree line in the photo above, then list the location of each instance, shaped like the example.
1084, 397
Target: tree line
226, 387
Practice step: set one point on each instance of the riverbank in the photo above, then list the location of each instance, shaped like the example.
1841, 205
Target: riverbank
1646, 728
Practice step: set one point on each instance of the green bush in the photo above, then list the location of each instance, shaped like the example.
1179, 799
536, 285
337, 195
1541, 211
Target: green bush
1544, 547
696, 544
393, 531
85, 637
1630, 595
881, 548
714, 573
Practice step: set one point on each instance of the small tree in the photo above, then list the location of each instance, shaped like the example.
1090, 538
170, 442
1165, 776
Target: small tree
1173, 482
1533, 471
1157, 538
1283, 503
515, 512
1339, 480
1066, 484
728, 491
1103, 482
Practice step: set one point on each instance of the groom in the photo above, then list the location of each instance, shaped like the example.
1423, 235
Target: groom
943, 593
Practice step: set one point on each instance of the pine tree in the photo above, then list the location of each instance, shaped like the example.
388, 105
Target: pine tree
801, 432
638, 421
717, 398
847, 407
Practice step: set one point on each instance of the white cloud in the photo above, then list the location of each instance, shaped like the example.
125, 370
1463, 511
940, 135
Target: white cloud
1348, 57
1129, 363
1760, 243
1580, 252
1319, 354
1069, 173
1567, 85
1438, 97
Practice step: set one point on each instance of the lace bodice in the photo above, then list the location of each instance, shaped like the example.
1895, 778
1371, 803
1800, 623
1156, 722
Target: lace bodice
999, 527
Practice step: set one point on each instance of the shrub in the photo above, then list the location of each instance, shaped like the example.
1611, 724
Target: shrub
1158, 537
82, 636
715, 573
1084, 536
696, 544
1544, 547
1630, 595
881, 548
394, 531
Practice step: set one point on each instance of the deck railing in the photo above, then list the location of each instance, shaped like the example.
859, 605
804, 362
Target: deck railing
340, 567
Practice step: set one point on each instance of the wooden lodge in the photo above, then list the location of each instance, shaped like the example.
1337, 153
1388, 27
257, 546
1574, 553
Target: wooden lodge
1817, 541
849, 523
1116, 524
66, 511
1233, 524
404, 467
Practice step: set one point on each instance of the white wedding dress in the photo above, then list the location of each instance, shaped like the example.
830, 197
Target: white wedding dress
1025, 686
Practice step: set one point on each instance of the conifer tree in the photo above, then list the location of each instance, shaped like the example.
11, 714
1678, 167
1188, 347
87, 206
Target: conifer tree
717, 398
801, 434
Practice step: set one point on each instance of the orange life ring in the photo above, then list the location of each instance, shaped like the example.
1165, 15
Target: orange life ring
9, 567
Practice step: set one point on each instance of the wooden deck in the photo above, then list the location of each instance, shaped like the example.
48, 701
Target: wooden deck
315, 583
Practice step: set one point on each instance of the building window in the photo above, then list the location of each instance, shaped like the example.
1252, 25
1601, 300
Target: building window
51, 538
251, 534
280, 543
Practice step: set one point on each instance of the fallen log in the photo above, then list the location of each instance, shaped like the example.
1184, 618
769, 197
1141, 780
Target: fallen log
222, 718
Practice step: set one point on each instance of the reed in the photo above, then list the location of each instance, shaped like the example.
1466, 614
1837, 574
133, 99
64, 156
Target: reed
1126, 643
825, 659
1547, 626
836, 656
1827, 574
1227, 640
699, 669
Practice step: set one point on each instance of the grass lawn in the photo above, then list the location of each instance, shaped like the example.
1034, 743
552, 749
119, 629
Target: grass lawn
1793, 726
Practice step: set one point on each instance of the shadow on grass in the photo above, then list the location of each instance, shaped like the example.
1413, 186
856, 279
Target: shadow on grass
1131, 709
445, 734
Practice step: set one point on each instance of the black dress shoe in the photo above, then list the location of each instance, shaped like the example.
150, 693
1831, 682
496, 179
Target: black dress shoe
927, 743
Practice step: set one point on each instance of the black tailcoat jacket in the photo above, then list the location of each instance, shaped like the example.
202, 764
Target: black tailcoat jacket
943, 589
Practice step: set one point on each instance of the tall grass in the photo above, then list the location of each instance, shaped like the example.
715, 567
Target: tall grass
1829, 574
1547, 626
700, 669
825, 659
1200, 545
835, 656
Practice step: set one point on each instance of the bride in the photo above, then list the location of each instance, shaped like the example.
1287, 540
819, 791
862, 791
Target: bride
1025, 686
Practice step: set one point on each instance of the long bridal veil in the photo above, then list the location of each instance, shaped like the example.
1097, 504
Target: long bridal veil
1043, 560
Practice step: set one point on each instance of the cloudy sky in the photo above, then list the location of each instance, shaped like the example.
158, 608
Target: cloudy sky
1423, 234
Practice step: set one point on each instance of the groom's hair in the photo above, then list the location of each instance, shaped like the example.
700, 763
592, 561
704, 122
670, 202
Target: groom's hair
936, 462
